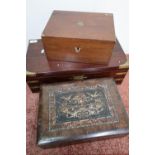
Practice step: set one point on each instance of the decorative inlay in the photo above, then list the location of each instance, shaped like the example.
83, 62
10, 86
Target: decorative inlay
86, 104
78, 107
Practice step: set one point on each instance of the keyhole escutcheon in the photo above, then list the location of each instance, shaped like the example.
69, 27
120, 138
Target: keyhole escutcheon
77, 49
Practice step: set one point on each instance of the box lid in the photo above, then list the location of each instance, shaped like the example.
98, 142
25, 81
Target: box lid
81, 110
81, 25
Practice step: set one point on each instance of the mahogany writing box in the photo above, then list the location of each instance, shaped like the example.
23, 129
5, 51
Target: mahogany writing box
79, 37
41, 71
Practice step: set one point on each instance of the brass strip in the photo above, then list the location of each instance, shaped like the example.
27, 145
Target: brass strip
125, 65
80, 77
119, 79
30, 73
33, 81
122, 73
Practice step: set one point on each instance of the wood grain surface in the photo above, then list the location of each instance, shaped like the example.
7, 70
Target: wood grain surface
92, 34
37, 62
40, 70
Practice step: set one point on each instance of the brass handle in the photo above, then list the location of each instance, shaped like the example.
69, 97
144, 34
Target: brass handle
80, 77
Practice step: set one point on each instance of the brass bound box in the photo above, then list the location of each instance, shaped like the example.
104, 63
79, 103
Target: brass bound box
41, 71
81, 110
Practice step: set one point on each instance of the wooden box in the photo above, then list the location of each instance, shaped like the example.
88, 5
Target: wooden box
82, 110
40, 71
79, 37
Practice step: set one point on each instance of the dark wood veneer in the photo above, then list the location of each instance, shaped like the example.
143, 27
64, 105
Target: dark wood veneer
51, 133
39, 69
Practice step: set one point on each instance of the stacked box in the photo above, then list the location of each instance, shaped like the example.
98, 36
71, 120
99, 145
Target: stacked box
41, 71
79, 37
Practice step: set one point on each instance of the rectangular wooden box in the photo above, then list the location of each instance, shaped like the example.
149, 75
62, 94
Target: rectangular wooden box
83, 110
79, 37
40, 71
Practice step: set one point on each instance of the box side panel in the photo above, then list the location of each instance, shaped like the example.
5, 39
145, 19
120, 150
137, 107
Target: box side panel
76, 50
